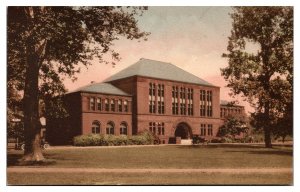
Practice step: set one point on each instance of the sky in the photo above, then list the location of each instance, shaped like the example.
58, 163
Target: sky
192, 38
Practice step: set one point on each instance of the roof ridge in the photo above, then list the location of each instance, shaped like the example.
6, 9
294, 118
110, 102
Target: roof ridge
155, 60
158, 69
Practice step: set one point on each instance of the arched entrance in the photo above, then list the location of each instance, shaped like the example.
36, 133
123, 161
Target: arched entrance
184, 131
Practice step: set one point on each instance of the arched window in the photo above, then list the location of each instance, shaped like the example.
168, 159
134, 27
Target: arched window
96, 127
110, 128
123, 128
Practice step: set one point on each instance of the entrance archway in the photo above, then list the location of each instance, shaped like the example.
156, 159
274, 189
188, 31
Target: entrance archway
184, 131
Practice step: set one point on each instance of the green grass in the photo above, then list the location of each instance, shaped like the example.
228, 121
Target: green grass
148, 179
211, 156
145, 157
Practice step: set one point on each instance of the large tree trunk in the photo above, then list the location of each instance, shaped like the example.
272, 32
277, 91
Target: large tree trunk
268, 142
32, 126
267, 128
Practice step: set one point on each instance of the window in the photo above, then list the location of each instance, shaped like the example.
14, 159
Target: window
112, 105
157, 127
152, 127
96, 127
99, 104
182, 94
202, 103
161, 128
110, 128
209, 103
175, 100
160, 98
120, 105
106, 105
151, 98
209, 130
123, 128
190, 101
203, 130
125, 106
92, 103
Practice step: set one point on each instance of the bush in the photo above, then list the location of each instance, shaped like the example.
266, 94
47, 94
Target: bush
144, 138
197, 139
227, 140
87, 140
216, 141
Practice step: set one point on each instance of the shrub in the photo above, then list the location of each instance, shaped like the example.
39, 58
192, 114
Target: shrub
144, 138
87, 140
227, 140
215, 141
197, 139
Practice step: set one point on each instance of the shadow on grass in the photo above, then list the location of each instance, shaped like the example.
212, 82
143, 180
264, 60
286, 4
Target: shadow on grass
247, 149
221, 146
285, 153
14, 160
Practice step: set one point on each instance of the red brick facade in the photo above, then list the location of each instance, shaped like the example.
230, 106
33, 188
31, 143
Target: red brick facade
168, 108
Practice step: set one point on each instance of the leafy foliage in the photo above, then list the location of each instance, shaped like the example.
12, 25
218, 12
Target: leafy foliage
232, 127
264, 76
47, 44
197, 139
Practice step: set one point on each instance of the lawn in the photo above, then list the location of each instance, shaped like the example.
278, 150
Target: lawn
149, 179
166, 157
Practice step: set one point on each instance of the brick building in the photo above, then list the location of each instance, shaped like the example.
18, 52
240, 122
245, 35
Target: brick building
230, 109
148, 95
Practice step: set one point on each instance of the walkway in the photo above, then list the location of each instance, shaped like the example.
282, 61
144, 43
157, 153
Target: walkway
101, 170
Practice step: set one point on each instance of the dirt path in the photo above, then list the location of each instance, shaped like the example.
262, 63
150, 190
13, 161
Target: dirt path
101, 170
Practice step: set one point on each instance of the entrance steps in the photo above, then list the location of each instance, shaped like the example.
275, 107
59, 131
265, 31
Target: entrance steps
186, 141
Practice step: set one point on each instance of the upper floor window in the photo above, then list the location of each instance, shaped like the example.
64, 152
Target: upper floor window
190, 101
202, 102
99, 104
160, 99
209, 103
92, 103
182, 94
151, 98
175, 100
125, 106
106, 105
120, 105
112, 105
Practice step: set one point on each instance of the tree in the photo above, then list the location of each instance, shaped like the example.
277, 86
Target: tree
232, 127
47, 44
263, 76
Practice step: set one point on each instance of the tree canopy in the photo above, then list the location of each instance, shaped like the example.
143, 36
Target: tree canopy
47, 44
264, 76
233, 126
